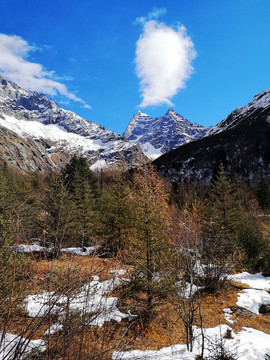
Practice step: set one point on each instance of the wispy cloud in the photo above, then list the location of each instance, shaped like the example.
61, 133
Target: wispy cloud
155, 14
14, 66
163, 62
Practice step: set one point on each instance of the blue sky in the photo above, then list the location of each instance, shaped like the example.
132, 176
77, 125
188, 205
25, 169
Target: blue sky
88, 53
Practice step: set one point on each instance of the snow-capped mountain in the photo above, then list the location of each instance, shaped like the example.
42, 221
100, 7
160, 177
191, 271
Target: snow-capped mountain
162, 134
260, 104
240, 142
55, 134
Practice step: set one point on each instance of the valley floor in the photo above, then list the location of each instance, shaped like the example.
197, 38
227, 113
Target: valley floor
71, 308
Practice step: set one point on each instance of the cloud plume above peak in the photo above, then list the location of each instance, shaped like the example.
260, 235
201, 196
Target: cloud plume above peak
163, 62
14, 66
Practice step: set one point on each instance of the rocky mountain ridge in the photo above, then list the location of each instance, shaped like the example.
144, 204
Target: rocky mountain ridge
162, 134
259, 104
241, 142
33, 117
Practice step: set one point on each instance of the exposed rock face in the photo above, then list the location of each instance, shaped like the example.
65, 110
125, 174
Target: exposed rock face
50, 134
28, 154
241, 142
162, 134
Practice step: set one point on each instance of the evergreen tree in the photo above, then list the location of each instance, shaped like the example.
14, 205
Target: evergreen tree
231, 232
263, 194
84, 216
78, 168
225, 213
82, 187
116, 213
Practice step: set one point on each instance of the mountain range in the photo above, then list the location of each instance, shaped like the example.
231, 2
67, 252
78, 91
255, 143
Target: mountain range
241, 142
37, 134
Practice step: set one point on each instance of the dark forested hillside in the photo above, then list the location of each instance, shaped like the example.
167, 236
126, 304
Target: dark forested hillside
244, 151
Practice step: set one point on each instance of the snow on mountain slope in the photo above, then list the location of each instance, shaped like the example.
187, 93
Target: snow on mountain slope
33, 129
162, 134
260, 103
33, 116
240, 142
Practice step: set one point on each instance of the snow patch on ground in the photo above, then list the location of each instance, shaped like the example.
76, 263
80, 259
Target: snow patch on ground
28, 249
252, 299
86, 251
31, 248
12, 344
228, 314
254, 281
248, 344
118, 272
91, 299
54, 329
186, 289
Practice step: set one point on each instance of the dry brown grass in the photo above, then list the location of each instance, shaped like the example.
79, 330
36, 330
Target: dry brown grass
163, 329
166, 329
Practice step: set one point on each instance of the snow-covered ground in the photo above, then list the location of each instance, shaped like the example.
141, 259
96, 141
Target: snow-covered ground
254, 281
13, 344
93, 298
86, 251
32, 248
28, 249
251, 299
248, 344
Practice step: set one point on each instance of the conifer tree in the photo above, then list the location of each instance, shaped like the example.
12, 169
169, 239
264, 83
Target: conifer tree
231, 232
149, 242
263, 194
82, 187
221, 226
224, 211
78, 168
116, 213
84, 217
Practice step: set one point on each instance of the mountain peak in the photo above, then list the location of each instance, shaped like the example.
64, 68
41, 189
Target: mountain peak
139, 113
170, 112
161, 134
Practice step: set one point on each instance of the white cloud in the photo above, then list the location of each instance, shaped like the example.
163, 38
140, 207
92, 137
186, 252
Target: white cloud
152, 15
163, 62
14, 66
